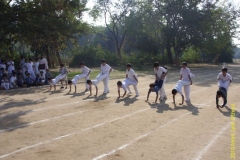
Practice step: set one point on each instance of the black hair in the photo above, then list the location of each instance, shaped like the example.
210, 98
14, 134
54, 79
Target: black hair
49, 79
219, 93
103, 60
225, 69
89, 81
119, 83
156, 64
152, 85
184, 63
19, 74
129, 65
14, 73
174, 91
61, 64
41, 71
2, 68
82, 63
36, 59
69, 82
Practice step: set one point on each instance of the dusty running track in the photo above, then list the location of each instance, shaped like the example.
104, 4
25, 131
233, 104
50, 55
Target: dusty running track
35, 124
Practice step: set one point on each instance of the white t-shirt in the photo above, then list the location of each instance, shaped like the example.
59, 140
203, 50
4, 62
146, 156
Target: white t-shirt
185, 73
131, 74
123, 87
36, 64
94, 82
10, 66
105, 69
13, 79
3, 66
85, 70
228, 77
160, 71
30, 66
178, 87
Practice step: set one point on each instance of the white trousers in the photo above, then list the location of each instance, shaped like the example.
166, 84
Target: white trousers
162, 90
105, 79
58, 78
223, 84
129, 82
186, 86
80, 76
5, 86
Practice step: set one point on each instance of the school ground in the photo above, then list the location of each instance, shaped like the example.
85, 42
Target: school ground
40, 125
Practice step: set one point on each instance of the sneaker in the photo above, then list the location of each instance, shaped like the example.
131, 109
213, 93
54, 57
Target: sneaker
105, 92
62, 87
161, 98
86, 90
187, 100
137, 95
165, 97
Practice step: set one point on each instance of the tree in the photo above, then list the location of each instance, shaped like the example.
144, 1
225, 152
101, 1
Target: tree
116, 12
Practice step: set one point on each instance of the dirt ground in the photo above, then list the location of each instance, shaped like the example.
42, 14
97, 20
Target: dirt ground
40, 125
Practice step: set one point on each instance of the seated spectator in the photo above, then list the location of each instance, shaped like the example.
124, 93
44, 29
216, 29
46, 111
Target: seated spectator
42, 76
13, 81
5, 82
47, 76
20, 81
37, 81
29, 80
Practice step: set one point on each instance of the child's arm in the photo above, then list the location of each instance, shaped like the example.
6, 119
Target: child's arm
135, 78
89, 72
217, 101
96, 90
182, 100
124, 93
110, 70
180, 77
190, 79
118, 93
149, 91
156, 76
173, 98
156, 98
90, 89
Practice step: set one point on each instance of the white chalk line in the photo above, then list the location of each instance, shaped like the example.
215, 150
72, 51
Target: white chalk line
42, 121
141, 137
69, 134
213, 140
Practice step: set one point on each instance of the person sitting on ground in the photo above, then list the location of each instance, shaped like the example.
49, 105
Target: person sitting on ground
20, 81
29, 80
5, 82
13, 81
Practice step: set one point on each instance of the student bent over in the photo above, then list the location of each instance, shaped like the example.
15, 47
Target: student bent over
131, 79
62, 75
178, 89
121, 85
90, 83
155, 87
85, 74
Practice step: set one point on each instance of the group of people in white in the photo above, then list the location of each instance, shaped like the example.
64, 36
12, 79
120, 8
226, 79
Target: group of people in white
32, 70
27, 73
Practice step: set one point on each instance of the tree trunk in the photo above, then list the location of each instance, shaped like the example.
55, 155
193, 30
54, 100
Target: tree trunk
216, 58
170, 58
119, 52
48, 56
59, 58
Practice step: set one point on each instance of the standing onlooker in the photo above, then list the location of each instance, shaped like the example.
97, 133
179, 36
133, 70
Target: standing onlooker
22, 65
11, 67
35, 66
186, 80
159, 72
43, 64
30, 68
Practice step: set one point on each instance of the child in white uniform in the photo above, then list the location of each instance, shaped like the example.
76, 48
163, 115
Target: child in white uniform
178, 89
123, 86
131, 79
51, 84
224, 79
5, 82
185, 76
85, 74
62, 75
104, 75
90, 83
11, 67
30, 70
13, 81
159, 71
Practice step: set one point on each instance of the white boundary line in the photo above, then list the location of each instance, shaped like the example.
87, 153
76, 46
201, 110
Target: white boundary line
213, 140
